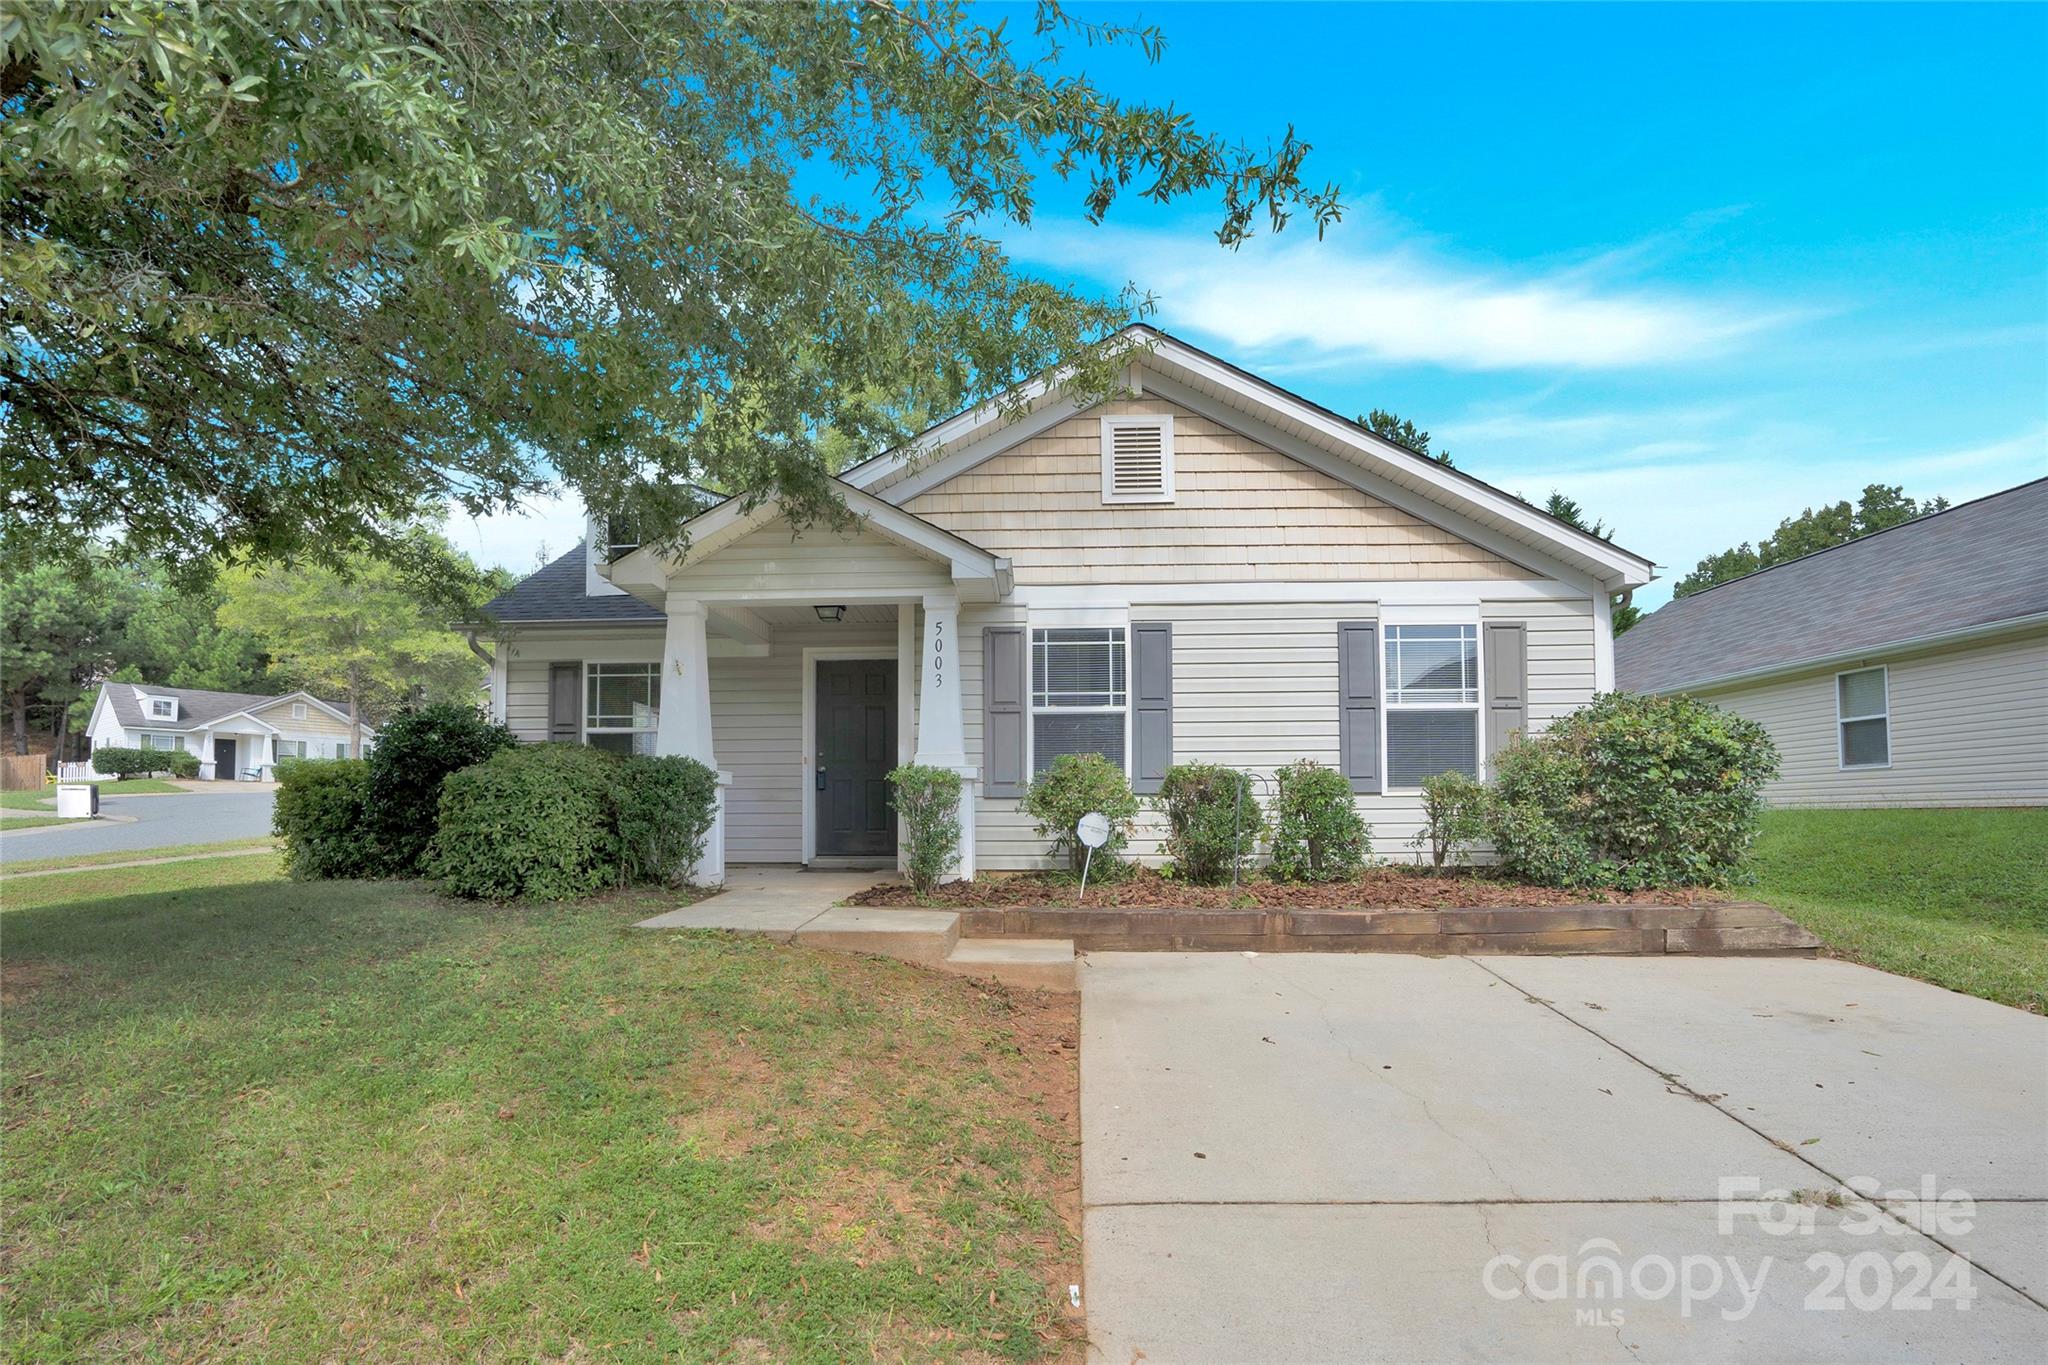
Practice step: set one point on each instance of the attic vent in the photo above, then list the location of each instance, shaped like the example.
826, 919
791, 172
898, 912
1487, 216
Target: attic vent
1137, 459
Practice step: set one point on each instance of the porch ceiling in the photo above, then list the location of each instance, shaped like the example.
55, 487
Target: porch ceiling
784, 617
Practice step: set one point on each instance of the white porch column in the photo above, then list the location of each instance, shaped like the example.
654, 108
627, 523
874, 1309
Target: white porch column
906, 706
941, 717
684, 725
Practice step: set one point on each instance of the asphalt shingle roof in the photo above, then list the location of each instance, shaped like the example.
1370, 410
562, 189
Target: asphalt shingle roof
1974, 565
555, 592
197, 707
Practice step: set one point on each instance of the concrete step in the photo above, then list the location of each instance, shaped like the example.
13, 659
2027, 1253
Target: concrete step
1039, 964
921, 936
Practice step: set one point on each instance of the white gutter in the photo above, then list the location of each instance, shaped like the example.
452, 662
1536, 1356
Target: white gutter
2010, 626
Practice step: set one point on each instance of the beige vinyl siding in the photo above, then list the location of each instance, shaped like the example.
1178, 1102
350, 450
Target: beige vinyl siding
1560, 642
316, 726
529, 655
1969, 727
822, 561
1241, 512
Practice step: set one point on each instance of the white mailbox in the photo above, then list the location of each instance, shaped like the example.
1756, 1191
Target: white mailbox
78, 800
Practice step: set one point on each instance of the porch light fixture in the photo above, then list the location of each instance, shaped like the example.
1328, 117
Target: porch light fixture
832, 615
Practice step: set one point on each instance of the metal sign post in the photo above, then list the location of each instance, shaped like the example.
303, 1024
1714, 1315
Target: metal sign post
1092, 830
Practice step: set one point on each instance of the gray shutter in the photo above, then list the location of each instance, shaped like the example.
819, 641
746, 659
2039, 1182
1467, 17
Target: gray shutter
1002, 711
1507, 682
565, 702
1358, 703
1151, 704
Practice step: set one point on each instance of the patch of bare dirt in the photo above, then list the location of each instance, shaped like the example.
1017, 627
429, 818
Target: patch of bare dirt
1378, 888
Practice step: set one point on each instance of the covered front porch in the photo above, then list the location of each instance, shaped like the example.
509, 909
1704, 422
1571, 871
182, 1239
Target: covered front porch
802, 668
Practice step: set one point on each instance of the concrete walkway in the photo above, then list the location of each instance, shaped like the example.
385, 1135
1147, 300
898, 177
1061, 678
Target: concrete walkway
772, 900
1306, 1157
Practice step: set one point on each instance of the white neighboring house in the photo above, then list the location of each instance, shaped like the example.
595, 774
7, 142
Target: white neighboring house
238, 736
1207, 568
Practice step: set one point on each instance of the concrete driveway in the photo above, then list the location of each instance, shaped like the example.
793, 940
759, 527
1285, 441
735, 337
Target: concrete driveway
1329, 1157
209, 814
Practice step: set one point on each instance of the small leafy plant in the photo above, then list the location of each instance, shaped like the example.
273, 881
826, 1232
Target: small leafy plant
1454, 810
1318, 834
1073, 786
928, 800
1213, 821
666, 806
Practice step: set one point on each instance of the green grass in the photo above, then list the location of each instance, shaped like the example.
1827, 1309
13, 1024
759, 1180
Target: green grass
313, 1120
133, 855
1955, 897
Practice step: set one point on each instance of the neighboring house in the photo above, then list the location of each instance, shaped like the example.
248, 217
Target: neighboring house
237, 735
1209, 568
1907, 668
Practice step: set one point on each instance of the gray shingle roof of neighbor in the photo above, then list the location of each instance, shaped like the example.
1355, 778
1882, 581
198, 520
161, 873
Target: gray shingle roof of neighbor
1974, 565
197, 707
555, 592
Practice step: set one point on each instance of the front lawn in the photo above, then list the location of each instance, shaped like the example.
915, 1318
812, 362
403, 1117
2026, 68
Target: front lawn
1956, 897
317, 1120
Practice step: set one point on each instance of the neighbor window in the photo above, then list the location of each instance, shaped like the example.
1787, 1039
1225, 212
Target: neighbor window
622, 703
1432, 694
1078, 694
163, 708
291, 748
152, 740
341, 748
1863, 718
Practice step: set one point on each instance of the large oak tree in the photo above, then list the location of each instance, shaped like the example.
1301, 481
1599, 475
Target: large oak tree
279, 272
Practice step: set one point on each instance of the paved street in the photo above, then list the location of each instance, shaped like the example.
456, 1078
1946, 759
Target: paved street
139, 822
1325, 1157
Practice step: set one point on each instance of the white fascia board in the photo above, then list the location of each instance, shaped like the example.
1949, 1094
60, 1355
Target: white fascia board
1891, 649
218, 721
986, 447
1626, 570
887, 465
1404, 592
312, 700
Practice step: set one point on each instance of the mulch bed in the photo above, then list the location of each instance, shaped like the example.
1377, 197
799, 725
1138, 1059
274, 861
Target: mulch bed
1379, 888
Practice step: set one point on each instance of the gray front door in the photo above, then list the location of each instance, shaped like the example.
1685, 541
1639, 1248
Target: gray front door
224, 760
856, 748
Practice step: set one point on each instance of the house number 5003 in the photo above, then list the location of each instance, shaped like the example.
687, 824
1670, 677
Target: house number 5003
938, 654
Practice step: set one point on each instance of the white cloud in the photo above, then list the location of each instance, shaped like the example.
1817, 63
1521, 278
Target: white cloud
1360, 296
513, 540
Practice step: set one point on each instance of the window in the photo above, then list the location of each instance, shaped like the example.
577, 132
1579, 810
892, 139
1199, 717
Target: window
621, 705
163, 708
1137, 459
341, 748
1078, 694
298, 710
291, 748
621, 536
1432, 692
152, 740
1863, 718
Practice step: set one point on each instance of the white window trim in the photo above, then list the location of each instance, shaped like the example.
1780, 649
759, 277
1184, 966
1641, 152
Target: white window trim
1119, 621
298, 710
177, 744
1842, 763
585, 729
1388, 705
1164, 422
170, 702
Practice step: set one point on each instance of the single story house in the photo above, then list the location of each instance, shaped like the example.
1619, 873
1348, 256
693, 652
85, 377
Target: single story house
238, 736
1907, 668
1205, 568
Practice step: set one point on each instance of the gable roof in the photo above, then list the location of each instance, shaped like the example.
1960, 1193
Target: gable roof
556, 593
1953, 573
1286, 421
198, 708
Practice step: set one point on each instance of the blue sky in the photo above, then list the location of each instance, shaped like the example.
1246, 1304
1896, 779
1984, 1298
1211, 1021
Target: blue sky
1697, 267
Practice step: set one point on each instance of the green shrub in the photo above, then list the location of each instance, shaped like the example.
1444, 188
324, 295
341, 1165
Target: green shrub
321, 814
119, 763
1073, 786
181, 763
1630, 792
415, 752
666, 807
538, 821
1213, 821
928, 799
1453, 815
1318, 835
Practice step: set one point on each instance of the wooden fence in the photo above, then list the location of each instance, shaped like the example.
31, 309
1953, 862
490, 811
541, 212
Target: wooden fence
23, 772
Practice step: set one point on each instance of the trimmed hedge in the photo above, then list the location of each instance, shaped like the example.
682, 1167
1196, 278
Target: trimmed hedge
665, 809
320, 816
1318, 834
122, 763
416, 750
1213, 821
538, 821
1631, 792
1073, 786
